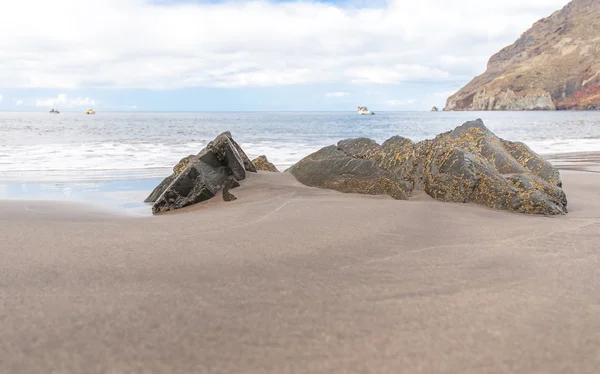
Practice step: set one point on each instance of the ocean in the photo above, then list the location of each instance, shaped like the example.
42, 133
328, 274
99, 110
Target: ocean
74, 156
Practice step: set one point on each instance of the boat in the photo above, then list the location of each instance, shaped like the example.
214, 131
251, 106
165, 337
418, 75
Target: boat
90, 111
363, 110
54, 111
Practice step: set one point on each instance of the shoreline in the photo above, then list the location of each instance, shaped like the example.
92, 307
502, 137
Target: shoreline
126, 194
576, 161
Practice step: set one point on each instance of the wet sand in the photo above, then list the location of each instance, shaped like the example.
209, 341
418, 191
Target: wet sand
290, 279
581, 161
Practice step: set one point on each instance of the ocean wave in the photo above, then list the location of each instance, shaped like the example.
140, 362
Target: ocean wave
147, 145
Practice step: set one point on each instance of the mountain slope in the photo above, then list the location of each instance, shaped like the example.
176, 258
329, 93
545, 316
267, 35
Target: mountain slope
553, 65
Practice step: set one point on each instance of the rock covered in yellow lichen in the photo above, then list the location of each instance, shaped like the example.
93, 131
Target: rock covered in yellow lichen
333, 168
468, 164
262, 163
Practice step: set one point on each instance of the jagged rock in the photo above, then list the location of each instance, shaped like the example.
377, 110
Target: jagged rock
471, 164
201, 177
553, 65
177, 169
248, 165
434, 109
230, 183
227, 154
468, 164
262, 163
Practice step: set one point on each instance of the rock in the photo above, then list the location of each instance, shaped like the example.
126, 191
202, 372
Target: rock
247, 163
507, 99
434, 109
226, 153
230, 183
333, 168
553, 65
471, 164
201, 177
262, 163
177, 169
468, 164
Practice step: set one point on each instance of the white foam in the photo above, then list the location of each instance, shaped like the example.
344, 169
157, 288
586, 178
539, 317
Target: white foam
34, 146
551, 146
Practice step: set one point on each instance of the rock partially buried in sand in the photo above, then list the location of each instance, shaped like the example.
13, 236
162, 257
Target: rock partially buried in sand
468, 164
348, 167
262, 163
177, 169
230, 183
201, 177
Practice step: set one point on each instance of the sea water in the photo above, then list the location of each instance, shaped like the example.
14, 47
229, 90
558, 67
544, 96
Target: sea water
74, 154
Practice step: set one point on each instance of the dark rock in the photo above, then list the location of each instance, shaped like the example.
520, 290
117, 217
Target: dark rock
201, 177
363, 148
477, 166
230, 183
421, 154
262, 163
249, 166
177, 169
224, 150
198, 182
334, 169
398, 157
468, 164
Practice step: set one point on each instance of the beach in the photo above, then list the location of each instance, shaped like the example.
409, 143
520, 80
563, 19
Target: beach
292, 279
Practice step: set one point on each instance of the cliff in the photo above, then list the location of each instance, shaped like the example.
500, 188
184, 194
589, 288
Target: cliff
553, 65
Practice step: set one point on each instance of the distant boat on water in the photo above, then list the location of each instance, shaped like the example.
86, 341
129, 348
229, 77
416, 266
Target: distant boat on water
54, 111
363, 110
90, 111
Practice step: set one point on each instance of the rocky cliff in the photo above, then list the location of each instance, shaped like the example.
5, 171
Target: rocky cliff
553, 65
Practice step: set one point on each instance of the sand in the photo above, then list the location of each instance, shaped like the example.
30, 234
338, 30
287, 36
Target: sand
290, 279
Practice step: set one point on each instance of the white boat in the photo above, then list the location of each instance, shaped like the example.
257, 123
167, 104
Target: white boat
363, 110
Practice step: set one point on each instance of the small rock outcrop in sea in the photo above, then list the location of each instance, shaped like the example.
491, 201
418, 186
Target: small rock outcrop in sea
217, 167
468, 164
263, 164
434, 109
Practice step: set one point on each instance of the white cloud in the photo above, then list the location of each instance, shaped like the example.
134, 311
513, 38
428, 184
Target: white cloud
19, 102
253, 43
337, 94
63, 101
1, 98
400, 102
443, 94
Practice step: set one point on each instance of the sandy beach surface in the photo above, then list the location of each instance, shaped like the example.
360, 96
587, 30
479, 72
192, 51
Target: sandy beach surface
290, 279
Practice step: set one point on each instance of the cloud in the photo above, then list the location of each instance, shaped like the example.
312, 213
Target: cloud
168, 45
443, 94
1, 98
336, 94
63, 101
19, 102
400, 102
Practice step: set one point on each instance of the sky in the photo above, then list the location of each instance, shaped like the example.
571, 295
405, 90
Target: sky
238, 55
